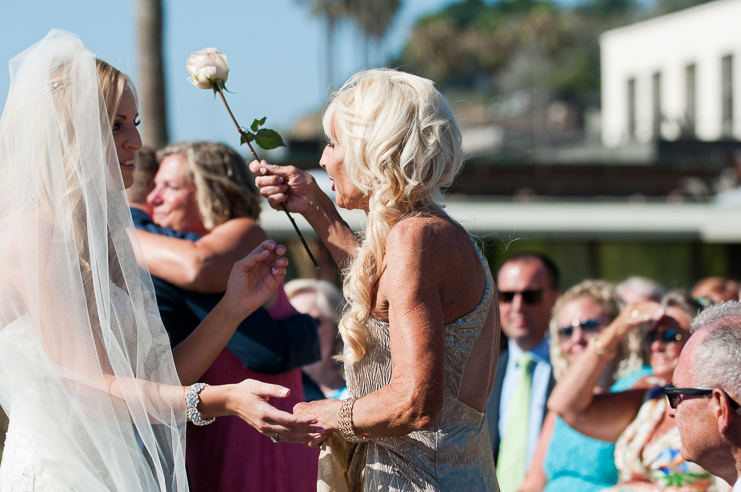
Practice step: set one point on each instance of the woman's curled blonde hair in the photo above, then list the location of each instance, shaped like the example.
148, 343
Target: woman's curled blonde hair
403, 148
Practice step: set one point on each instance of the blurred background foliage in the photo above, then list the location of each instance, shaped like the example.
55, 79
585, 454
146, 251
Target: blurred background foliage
492, 48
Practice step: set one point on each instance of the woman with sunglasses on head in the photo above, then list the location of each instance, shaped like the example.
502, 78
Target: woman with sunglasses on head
647, 445
566, 460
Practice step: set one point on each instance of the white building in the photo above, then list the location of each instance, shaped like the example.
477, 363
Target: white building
673, 74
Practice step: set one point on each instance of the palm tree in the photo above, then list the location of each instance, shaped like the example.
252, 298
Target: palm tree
333, 12
374, 17
151, 73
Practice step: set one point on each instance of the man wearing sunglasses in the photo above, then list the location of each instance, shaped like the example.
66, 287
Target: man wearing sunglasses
706, 390
528, 287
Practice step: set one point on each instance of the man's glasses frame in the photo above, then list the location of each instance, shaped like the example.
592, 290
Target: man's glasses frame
676, 395
530, 296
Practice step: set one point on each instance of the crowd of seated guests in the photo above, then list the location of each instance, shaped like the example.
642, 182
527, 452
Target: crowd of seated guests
612, 351
565, 459
595, 415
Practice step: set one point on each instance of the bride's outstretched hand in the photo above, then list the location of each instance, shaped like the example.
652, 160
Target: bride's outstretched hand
249, 401
285, 184
255, 277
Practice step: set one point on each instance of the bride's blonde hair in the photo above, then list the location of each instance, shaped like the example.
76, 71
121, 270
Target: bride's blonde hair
403, 147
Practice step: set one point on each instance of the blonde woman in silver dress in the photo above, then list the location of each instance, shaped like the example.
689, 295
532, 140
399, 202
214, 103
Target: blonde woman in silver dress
421, 333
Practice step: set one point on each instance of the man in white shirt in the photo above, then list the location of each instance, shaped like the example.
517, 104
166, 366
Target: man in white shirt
705, 393
528, 286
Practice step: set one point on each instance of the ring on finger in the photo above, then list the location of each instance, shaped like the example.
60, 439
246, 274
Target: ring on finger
276, 438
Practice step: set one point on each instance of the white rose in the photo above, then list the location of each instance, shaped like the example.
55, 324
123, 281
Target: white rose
207, 67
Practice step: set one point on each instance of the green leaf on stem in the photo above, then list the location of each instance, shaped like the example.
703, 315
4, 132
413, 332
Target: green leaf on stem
250, 137
268, 139
258, 123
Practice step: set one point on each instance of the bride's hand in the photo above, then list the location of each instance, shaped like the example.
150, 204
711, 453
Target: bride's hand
254, 278
285, 184
249, 401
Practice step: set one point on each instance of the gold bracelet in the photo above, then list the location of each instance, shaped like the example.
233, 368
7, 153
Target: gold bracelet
347, 429
596, 347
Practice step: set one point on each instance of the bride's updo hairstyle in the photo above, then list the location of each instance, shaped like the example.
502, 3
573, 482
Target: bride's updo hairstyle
403, 148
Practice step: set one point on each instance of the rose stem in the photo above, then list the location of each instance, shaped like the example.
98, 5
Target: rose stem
254, 154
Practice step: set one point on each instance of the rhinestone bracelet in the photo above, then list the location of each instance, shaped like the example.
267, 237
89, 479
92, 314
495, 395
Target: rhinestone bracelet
191, 403
347, 429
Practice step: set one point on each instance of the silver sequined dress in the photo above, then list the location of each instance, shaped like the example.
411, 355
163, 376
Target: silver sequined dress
453, 455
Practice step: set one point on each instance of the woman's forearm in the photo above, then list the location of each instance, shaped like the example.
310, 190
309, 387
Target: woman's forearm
334, 232
197, 352
203, 265
177, 261
393, 411
574, 393
388, 412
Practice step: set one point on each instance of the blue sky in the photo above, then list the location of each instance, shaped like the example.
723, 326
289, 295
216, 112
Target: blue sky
275, 50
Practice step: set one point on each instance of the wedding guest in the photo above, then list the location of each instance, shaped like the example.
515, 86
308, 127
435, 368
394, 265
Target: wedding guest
421, 332
705, 393
716, 289
647, 449
528, 288
322, 301
566, 460
262, 343
640, 289
207, 183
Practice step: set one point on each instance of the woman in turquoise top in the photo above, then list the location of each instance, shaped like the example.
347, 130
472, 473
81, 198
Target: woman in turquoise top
566, 460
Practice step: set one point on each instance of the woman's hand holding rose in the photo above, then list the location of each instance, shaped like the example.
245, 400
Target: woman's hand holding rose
285, 184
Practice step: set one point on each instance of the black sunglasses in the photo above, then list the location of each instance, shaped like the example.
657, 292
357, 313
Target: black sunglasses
667, 336
528, 296
589, 325
676, 395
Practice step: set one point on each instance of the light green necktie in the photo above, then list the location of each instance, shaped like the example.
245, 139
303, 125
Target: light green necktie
513, 447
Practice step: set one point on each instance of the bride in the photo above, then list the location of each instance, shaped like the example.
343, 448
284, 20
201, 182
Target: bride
94, 394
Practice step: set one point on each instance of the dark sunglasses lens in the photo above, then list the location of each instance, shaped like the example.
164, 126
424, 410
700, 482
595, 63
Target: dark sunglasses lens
671, 336
566, 332
532, 296
668, 336
673, 400
590, 325
506, 297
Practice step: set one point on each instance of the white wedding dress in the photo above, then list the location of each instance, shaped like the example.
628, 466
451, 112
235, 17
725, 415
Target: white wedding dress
34, 440
37, 454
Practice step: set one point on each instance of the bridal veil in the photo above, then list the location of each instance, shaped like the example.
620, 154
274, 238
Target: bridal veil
86, 372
